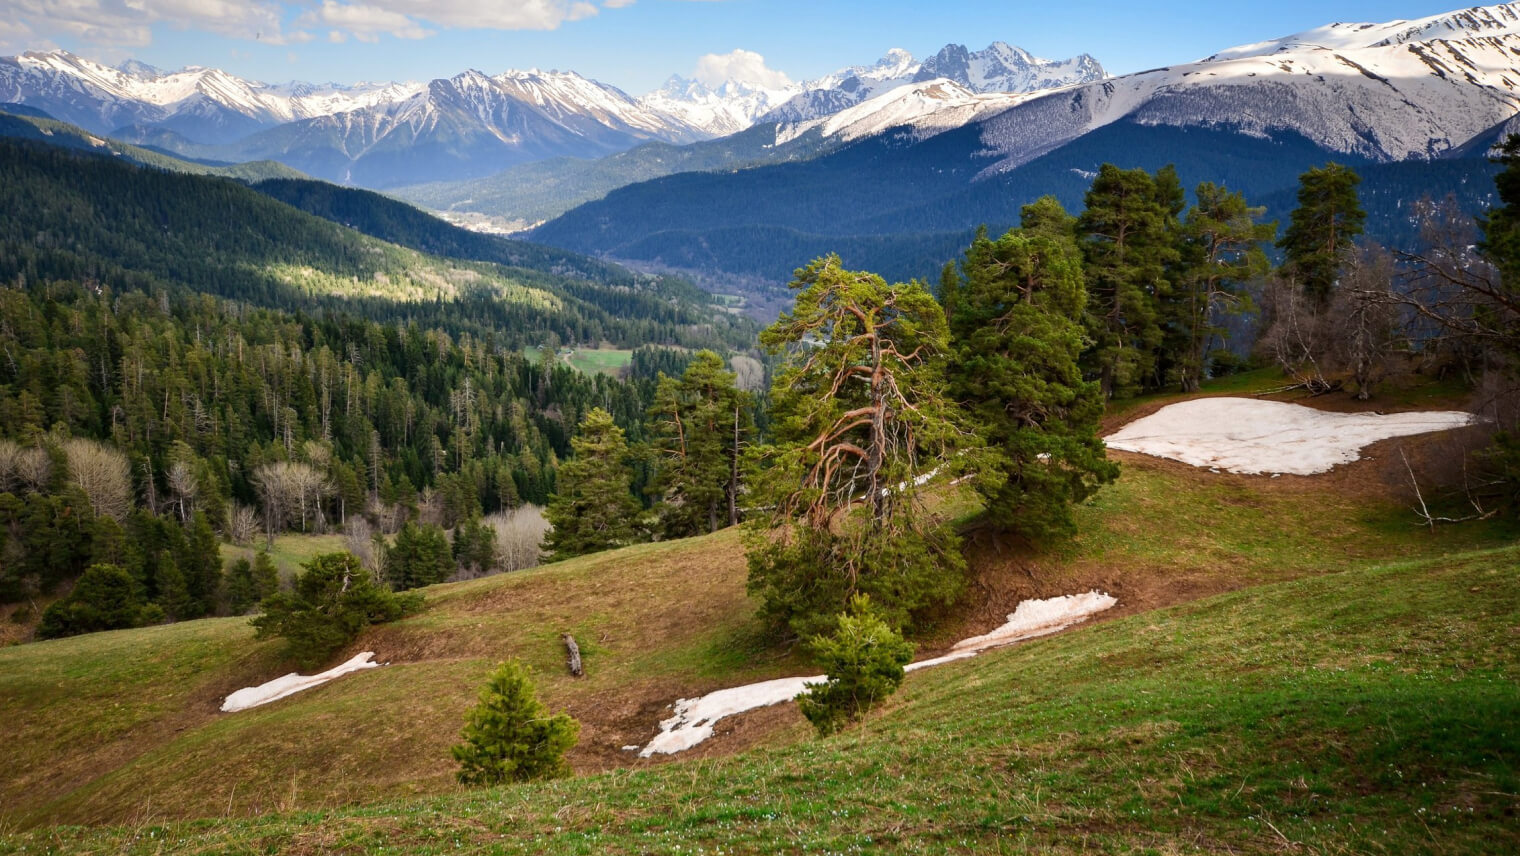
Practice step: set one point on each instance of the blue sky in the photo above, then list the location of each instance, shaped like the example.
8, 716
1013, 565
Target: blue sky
636, 44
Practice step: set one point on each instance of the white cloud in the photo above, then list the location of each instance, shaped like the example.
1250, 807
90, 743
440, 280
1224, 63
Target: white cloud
118, 24
741, 66
128, 23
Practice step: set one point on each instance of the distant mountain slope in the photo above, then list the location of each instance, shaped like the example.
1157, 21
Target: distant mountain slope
942, 159
904, 207
207, 105
101, 218
31, 124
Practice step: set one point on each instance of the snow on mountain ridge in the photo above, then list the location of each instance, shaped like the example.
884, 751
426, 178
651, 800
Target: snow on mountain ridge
1500, 20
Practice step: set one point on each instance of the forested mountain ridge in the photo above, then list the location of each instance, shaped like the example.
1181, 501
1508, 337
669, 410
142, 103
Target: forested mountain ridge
69, 215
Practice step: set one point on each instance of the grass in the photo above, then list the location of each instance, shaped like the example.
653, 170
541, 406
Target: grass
289, 552
1293, 660
607, 361
1370, 711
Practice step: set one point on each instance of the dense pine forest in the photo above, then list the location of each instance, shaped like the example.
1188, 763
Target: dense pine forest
188, 360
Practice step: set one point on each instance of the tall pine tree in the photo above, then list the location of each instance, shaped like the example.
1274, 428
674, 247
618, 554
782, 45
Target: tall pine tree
699, 423
1126, 244
1322, 229
592, 508
1017, 334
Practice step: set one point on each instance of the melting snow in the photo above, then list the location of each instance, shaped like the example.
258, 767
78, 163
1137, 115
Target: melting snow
293, 683
695, 717
1245, 435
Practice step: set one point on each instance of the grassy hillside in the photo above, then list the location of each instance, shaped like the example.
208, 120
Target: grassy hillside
1368, 711
659, 622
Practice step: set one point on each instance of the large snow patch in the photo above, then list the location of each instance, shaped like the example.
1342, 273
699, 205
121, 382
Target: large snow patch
1244, 435
695, 717
293, 683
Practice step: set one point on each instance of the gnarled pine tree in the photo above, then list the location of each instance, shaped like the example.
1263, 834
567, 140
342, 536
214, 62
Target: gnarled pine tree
860, 417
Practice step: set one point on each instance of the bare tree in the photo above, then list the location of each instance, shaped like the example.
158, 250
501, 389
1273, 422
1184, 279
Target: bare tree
359, 539
1297, 334
184, 487
9, 452
519, 536
242, 524
293, 493
1364, 328
34, 469
103, 473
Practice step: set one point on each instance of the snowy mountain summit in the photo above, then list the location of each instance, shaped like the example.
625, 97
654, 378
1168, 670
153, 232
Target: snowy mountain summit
736, 105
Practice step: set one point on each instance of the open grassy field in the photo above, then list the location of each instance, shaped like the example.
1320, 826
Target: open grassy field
608, 361
1293, 665
1368, 711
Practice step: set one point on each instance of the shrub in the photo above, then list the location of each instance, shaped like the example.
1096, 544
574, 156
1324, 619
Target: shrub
332, 602
863, 659
105, 598
510, 737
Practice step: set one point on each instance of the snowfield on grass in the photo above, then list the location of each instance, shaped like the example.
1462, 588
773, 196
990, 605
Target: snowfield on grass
1244, 435
695, 717
294, 683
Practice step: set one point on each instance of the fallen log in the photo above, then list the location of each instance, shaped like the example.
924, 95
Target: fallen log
575, 654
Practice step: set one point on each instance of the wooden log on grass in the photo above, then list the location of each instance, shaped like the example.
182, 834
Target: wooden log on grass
575, 654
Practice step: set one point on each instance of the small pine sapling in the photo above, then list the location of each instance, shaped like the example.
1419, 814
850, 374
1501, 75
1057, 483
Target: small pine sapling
510, 736
863, 659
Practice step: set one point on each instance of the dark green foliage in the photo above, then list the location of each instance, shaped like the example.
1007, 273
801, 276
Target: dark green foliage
1127, 239
1016, 322
420, 556
1221, 245
104, 598
593, 508
863, 660
510, 736
1322, 229
239, 591
474, 546
333, 601
698, 426
859, 412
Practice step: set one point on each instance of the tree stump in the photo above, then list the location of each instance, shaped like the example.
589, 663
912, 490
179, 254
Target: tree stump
575, 654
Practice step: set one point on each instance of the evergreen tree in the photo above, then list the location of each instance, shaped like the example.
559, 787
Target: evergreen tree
860, 416
1017, 336
1322, 229
105, 598
863, 662
333, 601
1126, 244
1221, 250
474, 546
698, 425
421, 556
510, 736
592, 508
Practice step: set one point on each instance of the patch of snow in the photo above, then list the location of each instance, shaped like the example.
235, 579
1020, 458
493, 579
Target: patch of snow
1248, 436
293, 683
695, 717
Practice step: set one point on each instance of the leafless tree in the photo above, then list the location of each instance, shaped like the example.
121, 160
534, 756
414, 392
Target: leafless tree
242, 524
103, 473
519, 536
34, 468
1364, 329
9, 452
1297, 336
292, 491
184, 486
359, 539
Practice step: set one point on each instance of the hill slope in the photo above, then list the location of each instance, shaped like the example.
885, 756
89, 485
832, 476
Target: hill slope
665, 621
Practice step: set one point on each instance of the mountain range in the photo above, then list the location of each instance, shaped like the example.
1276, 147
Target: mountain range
1415, 104
462, 127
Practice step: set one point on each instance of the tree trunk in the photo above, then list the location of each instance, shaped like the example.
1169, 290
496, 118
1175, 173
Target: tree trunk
575, 654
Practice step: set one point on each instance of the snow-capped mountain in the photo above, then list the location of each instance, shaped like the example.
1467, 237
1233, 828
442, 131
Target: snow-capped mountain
1386, 92
1000, 68
927, 107
728, 109
469, 125
205, 105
